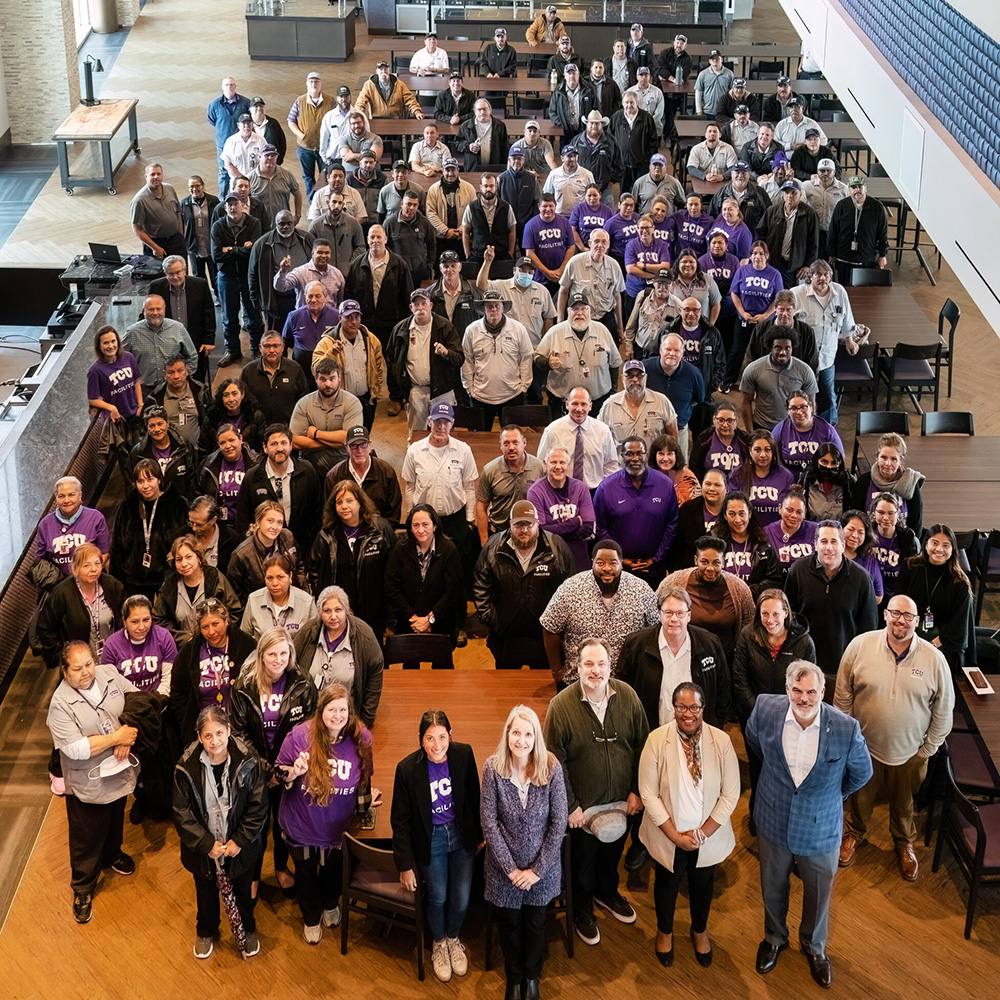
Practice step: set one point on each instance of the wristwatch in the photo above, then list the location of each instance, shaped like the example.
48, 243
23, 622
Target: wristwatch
430, 618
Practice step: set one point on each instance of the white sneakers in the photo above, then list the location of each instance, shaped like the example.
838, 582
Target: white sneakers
459, 959
441, 960
331, 918
314, 934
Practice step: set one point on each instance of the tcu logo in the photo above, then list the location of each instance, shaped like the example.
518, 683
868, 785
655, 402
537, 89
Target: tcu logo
764, 493
737, 560
270, 702
140, 665
440, 787
753, 282
692, 346
340, 769
230, 478
122, 375
789, 552
65, 545
549, 234
562, 511
728, 460
887, 557
802, 447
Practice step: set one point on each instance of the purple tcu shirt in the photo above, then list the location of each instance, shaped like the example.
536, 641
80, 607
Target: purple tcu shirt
658, 252
798, 447
115, 383
791, 547
764, 493
230, 479
142, 663
549, 240
57, 541
886, 550
270, 708
442, 803
692, 233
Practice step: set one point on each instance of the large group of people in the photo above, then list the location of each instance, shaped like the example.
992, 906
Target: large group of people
679, 561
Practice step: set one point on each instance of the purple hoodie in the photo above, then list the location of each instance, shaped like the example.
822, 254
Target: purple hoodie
559, 510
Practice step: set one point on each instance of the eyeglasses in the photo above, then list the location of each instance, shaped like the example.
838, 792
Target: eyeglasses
673, 616
199, 524
901, 616
693, 710
798, 409
725, 420
213, 604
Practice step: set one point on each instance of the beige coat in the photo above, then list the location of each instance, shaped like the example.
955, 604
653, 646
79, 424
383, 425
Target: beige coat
537, 28
331, 347
659, 770
437, 207
401, 104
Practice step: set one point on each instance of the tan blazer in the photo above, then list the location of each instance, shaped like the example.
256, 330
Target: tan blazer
658, 777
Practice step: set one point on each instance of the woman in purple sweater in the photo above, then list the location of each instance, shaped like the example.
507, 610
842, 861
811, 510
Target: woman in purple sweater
328, 768
523, 811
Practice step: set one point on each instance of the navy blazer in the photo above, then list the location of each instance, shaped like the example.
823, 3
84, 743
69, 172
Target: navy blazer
808, 819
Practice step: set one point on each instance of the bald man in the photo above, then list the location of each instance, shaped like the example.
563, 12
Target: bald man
155, 339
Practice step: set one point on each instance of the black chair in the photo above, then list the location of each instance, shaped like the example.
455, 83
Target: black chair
970, 764
528, 415
767, 69
372, 889
564, 902
968, 556
871, 277
531, 105
499, 269
854, 373
910, 368
973, 834
472, 418
947, 422
419, 648
877, 422
989, 571
950, 314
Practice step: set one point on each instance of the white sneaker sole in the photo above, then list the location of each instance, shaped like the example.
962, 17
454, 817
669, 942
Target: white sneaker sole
621, 919
207, 954
586, 940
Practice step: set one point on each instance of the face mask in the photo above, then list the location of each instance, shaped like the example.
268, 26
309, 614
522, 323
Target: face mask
111, 766
523, 278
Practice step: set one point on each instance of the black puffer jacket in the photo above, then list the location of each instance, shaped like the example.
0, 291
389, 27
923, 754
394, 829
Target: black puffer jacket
248, 809
246, 567
754, 670
128, 541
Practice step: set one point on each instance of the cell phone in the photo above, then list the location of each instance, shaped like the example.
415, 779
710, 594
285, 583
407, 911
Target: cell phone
368, 820
977, 678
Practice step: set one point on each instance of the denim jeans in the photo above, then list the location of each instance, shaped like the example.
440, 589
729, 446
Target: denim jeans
826, 404
449, 881
312, 164
232, 289
223, 176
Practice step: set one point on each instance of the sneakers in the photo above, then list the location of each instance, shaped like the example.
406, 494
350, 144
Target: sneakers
203, 947
586, 928
331, 918
57, 784
123, 864
619, 907
251, 947
459, 959
441, 961
313, 934
82, 911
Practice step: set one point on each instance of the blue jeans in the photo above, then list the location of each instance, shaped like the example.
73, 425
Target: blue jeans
450, 863
826, 404
223, 176
232, 289
312, 164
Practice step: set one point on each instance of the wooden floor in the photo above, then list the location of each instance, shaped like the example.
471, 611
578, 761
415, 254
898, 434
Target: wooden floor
888, 938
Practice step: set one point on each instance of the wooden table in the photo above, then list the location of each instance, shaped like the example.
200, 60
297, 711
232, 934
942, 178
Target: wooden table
691, 127
893, 315
963, 506
459, 46
946, 457
99, 123
415, 126
504, 84
984, 710
477, 703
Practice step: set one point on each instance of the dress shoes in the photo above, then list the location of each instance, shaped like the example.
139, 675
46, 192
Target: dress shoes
704, 957
908, 865
767, 956
665, 958
848, 848
229, 358
394, 407
820, 968
531, 989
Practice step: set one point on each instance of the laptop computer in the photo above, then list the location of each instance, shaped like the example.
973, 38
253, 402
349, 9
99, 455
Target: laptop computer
105, 253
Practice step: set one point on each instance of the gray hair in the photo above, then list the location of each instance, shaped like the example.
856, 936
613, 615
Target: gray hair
330, 592
69, 479
816, 267
272, 335
797, 669
174, 258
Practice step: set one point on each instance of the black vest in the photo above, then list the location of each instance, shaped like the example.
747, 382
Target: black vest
484, 235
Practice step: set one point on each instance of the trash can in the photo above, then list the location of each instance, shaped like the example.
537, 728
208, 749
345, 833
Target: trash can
104, 16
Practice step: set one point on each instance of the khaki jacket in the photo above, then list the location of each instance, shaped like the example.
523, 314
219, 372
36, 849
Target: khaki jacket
332, 347
401, 104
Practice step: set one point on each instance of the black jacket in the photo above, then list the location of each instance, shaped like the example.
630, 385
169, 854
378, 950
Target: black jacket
641, 54
760, 163
464, 310
394, 294
369, 191
276, 398
754, 202
207, 480
440, 592
755, 672
306, 501
265, 256
165, 606
638, 143
128, 541
361, 572
246, 565
444, 370
806, 349
725, 110
369, 663
190, 232
200, 319
711, 358
63, 615
806, 164
951, 605
521, 192
248, 811
234, 262
252, 428
493, 60
640, 665
837, 610
872, 234
381, 484
411, 805
630, 65
699, 450
185, 701
159, 394
559, 107
805, 236
181, 468
483, 233
603, 159
499, 144
609, 96
510, 600
667, 62
690, 527
257, 210
297, 704
774, 110
445, 109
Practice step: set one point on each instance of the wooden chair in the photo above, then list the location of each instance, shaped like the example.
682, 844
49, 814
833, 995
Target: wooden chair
422, 648
910, 368
947, 422
877, 422
372, 888
871, 277
973, 834
854, 372
527, 415
564, 902
950, 314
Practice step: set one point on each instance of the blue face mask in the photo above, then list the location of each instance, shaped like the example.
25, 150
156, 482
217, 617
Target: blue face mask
523, 278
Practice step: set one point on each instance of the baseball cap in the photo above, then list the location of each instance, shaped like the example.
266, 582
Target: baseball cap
381, 63
499, 32
634, 365
795, 102
449, 161
431, 34
680, 38
314, 76
400, 165
232, 196
524, 510
856, 181
531, 123
642, 71
569, 151
343, 91
742, 109
448, 257
637, 26
244, 118
791, 185
551, 9
367, 154
783, 81
524, 262
257, 102
456, 76
420, 293
826, 164
661, 278
357, 434
658, 158
715, 53
570, 67
741, 166
579, 299
812, 132
269, 148
349, 307
516, 150
441, 411
739, 82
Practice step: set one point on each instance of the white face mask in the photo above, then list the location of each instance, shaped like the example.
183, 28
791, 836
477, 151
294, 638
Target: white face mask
111, 766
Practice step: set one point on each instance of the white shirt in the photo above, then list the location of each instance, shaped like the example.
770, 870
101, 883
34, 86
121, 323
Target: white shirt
799, 745
786, 132
600, 458
689, 798
243, 155
422, 59
286, 487
329, 131
433, 157
569, 189
443, 477
831, 323
676, 670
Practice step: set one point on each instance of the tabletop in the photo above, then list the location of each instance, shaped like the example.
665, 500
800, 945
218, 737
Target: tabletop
463, 46
963, 506
415, 126
477, 84
947, 457
94, 124
985, 712
893, 315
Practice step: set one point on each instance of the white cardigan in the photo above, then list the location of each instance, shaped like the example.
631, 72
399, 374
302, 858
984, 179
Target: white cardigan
658, 777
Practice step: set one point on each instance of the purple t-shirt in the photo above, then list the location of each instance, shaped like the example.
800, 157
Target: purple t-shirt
270, 708
738, 237
304, 332
692, 344
757, 289
142, 663
886, 551
658, 252
737, 559
621, 232
692, 233
764, 493
230, 479
722, 456
57, 541
216, 676
305, 823
549, 240
723, 269
585, 219
798, 447
873, 491
791, 547
442, 803
115, 382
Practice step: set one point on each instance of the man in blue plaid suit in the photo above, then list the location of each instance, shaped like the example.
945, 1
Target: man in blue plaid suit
813, 757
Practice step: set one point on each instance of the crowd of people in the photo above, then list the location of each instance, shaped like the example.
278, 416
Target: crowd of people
679, 561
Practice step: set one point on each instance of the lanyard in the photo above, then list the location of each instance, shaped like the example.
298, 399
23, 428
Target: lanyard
147, 526
94, 610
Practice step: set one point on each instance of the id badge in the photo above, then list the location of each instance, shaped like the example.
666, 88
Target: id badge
181, 419
147, 561
585, 372
854, 244
106, 727
928, 621
223, 513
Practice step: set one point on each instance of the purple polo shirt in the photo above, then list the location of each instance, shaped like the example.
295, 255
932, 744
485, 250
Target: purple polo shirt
58, 541
642, 520
303, 332
549, 240
142, 662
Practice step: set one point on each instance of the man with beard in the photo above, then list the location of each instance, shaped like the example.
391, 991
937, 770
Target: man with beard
454, 105
599, 274
251, 206
317, 269
504, 482
356, 139
368, 180
636, 507
599, 153
539, 157
609, 95
488, 222
321, 420
822, 194
483, 138
498, 359
336, 119
520, 189
155, 339
858, 235
673, 66
813, 757
786, 314
447, 200
753, 199
767, 381
637, 411
341, 231
390, 198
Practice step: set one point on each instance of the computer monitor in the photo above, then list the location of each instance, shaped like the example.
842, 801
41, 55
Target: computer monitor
105, 253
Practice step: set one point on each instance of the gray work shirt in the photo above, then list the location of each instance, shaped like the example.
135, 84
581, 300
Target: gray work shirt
771, 387
156, 216
344, 413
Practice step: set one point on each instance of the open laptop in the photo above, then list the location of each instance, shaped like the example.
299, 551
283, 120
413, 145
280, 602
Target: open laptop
105, 253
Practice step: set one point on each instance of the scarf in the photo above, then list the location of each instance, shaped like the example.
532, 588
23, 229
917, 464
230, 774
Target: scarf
692, 753
905, 486
493, 331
